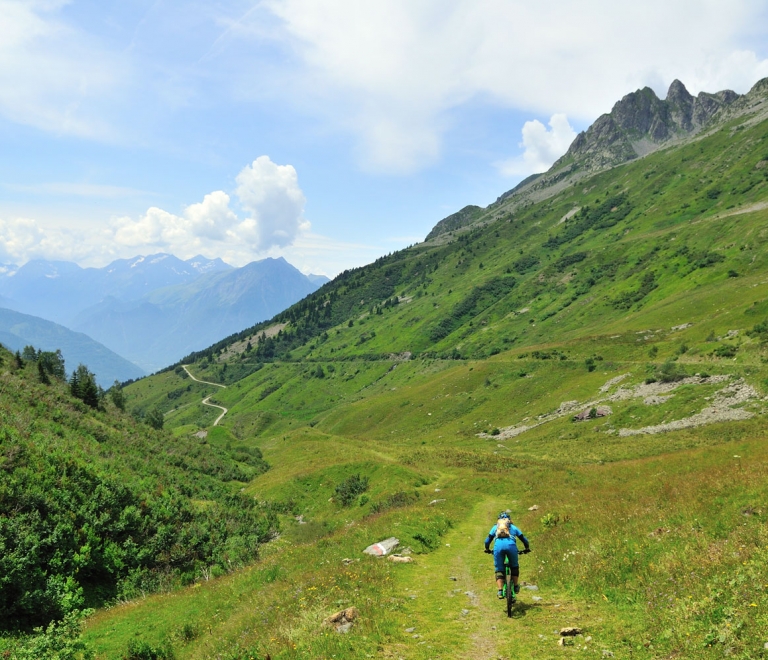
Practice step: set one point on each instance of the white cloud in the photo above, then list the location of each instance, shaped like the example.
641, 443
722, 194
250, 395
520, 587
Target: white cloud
271, 194
542, 147
268, 193
392, 70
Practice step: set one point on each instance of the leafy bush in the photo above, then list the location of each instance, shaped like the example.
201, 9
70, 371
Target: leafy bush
348, 490
725, 351
568, 260
61, 640
629, 298
550, 520
139, 650
670, 372
94, 507
525, 263
155, 419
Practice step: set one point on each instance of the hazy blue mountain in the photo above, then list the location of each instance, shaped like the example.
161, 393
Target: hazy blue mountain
59, 290
204, 265
18, 330
169, 323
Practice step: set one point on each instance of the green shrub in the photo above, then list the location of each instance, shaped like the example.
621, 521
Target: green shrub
139, 650
348, 490
725, 351
550, 520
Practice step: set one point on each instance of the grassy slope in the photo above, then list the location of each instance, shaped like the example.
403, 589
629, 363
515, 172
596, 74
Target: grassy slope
658, 549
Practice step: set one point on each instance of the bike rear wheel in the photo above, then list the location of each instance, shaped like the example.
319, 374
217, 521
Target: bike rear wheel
510, 593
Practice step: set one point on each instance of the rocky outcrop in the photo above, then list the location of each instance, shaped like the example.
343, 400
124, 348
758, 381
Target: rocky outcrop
640, 123
457, 220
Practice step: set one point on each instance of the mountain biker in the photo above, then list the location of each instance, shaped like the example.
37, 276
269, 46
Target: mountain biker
503, 535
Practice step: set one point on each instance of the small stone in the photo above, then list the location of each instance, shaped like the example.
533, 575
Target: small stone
410, 630
535, 507
453, 578
531, 587
607, 653
537, 599
416, 636
570, 631
588, 639
464, 612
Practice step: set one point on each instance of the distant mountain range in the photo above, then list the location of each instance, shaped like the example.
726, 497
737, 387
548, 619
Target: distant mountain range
19, 330
154, 309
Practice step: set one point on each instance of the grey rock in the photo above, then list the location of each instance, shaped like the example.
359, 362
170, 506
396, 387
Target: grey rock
410, 630
464, 612
344, 628
537, 599
531, 587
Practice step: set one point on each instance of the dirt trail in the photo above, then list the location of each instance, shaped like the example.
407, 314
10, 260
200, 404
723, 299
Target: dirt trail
205, 400
462, 618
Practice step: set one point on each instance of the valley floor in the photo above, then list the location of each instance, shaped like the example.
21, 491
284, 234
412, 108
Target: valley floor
652, 558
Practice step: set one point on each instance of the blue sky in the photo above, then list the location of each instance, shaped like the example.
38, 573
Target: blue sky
326, 131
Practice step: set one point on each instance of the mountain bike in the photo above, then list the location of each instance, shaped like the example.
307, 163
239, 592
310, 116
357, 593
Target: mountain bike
509, 585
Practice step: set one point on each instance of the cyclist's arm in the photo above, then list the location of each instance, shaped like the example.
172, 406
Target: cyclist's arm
489, 539
527, 545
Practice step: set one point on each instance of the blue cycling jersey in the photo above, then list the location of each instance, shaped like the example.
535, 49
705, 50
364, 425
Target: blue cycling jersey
514, 532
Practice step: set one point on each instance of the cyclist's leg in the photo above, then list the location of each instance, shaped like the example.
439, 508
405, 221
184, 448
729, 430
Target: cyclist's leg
498, 565
515, 567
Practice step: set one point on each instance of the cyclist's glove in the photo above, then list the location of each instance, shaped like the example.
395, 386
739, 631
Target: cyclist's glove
526, 551
488, 552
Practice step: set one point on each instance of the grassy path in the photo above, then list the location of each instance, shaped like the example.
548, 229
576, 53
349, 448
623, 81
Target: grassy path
205, 400
462, 618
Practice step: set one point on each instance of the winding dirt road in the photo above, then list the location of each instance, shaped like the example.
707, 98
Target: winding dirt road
205, 400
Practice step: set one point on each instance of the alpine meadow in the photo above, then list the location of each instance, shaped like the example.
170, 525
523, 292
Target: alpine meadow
589, 352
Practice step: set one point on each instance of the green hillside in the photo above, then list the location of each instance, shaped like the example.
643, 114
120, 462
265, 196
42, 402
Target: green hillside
420, 395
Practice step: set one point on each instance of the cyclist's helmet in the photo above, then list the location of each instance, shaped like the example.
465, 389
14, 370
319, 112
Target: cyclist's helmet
503, 514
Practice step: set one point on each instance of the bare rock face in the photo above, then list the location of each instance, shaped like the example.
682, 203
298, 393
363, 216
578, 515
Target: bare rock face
641, 122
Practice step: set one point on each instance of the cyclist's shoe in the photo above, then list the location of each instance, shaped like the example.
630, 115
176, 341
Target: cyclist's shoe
517, 589
501, 595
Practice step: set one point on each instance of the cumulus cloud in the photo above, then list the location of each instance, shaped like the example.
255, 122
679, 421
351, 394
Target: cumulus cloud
271, 194
267, 194
273, 205
22, 239
273, 219
542, 147
394, 70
